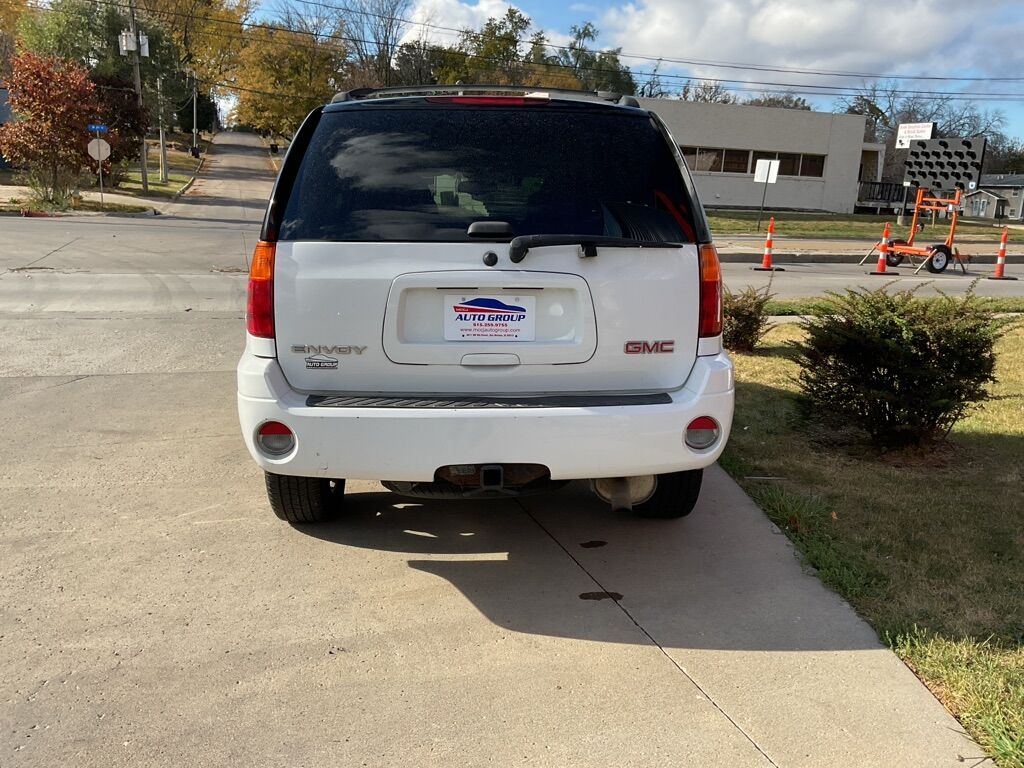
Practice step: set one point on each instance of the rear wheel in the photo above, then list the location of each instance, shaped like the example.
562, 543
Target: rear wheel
674, 497
894, 259
940, 258
303, 499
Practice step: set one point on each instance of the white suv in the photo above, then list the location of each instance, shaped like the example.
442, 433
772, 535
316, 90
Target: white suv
484, 292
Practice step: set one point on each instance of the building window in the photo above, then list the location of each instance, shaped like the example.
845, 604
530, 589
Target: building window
813, 166
789, 164
718, 160
709, 160
1016, 193
758, 155
736, 161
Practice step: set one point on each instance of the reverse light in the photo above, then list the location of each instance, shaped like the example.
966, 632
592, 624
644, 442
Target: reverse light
710, 292
702, 433
259, 314
274, 438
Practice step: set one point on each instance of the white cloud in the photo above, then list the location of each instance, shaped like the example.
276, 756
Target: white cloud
452, 14
457, 15
915, 37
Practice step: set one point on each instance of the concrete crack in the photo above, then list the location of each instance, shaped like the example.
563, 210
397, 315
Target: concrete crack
26, 266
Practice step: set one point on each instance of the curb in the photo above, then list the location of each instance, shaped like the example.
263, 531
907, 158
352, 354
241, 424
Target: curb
80, 214
185, 187
202, 161
817, 258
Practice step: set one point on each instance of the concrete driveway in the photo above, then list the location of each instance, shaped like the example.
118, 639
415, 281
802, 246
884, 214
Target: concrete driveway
153, 612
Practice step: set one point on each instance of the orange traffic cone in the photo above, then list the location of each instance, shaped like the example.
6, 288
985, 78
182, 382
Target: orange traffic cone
883, 252
1001, 258
766, 262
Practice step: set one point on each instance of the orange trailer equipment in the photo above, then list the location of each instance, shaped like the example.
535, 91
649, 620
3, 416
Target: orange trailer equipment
934, 257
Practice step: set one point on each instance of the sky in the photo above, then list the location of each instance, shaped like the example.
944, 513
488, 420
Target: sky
869, 37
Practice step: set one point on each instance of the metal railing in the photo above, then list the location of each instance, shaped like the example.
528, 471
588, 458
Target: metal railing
880, 192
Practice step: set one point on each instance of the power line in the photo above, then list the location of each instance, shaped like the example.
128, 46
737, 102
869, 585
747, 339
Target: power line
690, 62
806, 89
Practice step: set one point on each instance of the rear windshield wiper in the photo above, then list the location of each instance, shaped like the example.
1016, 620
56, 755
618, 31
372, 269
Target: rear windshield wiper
519, 246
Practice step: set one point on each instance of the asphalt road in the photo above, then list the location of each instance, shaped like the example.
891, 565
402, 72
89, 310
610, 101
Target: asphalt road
153, 612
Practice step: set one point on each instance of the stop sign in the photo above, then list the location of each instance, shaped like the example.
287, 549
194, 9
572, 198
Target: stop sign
99, 150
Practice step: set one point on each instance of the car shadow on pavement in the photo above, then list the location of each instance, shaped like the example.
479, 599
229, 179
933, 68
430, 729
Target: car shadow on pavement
564, 565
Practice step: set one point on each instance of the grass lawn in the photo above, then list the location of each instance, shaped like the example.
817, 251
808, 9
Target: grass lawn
861, 226
928, 548
181, 166
132, 183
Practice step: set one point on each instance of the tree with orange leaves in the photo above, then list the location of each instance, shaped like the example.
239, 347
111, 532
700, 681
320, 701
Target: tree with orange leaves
53, 101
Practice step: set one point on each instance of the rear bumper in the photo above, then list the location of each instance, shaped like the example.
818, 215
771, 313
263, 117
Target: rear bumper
412, 443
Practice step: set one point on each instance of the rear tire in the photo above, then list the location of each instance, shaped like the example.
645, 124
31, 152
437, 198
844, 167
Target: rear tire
894, 259
940, 258
674, 497
300, 500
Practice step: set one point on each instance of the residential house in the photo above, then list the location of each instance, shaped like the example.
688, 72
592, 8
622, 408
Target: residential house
999, 196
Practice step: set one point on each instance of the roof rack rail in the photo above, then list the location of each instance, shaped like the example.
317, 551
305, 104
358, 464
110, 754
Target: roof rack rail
459, 89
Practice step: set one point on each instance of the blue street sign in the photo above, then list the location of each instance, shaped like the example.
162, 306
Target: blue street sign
95, 128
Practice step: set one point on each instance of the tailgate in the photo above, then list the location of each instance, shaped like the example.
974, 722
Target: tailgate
350, 319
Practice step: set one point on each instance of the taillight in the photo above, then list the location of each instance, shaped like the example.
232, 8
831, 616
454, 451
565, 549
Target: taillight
710, 292
259, 315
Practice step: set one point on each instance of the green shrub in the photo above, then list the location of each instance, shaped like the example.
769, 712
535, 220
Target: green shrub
902, 369
745, 318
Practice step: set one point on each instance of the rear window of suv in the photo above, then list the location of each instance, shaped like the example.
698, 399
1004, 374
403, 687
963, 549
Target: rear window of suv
419, 174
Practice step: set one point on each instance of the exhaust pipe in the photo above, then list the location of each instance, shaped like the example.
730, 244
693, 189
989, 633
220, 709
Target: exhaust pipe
623, 492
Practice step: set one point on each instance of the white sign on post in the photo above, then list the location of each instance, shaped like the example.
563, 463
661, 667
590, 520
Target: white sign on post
908, 132
766, 171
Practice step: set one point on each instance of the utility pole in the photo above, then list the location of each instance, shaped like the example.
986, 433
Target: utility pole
163, 143
195, 123
134, 30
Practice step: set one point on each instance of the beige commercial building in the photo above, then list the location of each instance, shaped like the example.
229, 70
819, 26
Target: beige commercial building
822, 156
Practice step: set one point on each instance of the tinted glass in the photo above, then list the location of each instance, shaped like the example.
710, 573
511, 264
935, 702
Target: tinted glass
813, 165
789, 164
736, 161
423, 174
708, 160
